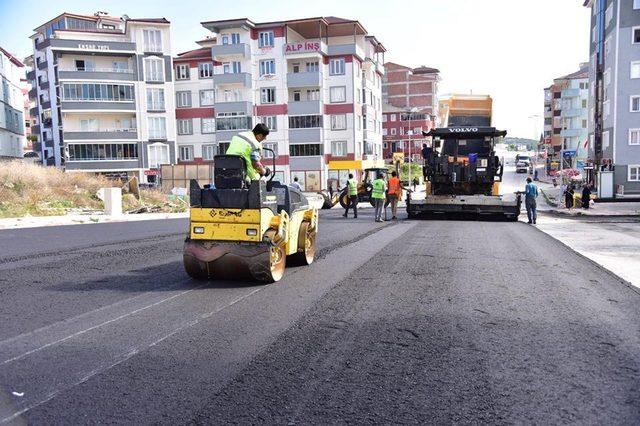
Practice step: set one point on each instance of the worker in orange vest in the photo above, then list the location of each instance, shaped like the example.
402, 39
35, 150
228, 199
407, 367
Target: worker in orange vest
394, 193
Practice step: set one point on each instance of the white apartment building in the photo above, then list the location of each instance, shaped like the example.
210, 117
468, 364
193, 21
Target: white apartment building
574, 116
105, 96
317, 84
12, 127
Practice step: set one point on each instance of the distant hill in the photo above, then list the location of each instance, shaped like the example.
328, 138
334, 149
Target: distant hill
530, 143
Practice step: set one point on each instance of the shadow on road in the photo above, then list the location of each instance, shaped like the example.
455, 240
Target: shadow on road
467, 217
166, 277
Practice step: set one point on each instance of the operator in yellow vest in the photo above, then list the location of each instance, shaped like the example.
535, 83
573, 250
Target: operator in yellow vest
352, 201
248, 145
379, 187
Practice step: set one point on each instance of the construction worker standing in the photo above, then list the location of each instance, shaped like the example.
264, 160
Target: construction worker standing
394, 193
248, 145
378, 195
352, 187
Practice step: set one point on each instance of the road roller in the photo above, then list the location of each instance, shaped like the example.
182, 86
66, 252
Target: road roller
247, 230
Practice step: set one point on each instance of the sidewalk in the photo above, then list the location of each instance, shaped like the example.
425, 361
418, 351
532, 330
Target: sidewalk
79, 219
553, 202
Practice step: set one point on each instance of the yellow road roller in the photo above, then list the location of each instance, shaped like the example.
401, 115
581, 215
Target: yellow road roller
240, 229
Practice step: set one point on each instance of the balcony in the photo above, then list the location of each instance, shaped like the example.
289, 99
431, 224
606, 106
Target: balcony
97, 74
345, 49
236, 106
102, 134
227, 127
224, 50
572, 133
97, 105
106, 165
31, 75
46, 123
33, 93
44, 85
42, 65
570, 93
570, 113
305, 108
37, 146
35, 129
48, 143
304, 79
305, 135
243, 78
107, 48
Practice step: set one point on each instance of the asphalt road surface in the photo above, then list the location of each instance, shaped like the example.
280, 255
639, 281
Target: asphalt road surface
402, 322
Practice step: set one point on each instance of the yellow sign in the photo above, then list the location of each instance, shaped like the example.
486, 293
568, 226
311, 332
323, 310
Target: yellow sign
398, 157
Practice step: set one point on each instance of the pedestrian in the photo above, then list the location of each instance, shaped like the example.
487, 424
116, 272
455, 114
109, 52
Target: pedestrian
586, 196
530, 195
394, 194
568, 196
296, 184
415, 183
352, 194
377, 194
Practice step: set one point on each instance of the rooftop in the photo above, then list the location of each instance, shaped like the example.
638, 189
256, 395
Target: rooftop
12, 57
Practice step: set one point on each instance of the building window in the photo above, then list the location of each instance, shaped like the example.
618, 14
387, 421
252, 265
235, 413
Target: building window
384, 118
634, 136
635, 69
97, 92
393, 131
636, 35
635, 103
384, 132
339, 122
606, 106
393, 117
273, 146
231, 67
186, 152
338, 94
584, 103
336, 66
153, 69
182, 72
152, 40
103, 152
584, 124
205, 70
155, 99
608, 16
634, 173
207, 97
305, 121
268, 95
313, 94
271, 122
207, 125
157, 128
231, 95
185, 126
636, 4
339, 148
208, 152
183, 99
312, 67
266, 39
267, 67
305, 150
232, 122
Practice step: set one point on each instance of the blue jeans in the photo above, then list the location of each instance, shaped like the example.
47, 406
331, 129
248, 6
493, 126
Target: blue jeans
530, 204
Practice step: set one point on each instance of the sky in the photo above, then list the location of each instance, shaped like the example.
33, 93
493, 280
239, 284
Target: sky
509, 49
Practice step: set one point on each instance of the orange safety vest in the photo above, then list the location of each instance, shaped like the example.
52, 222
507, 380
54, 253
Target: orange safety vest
394, 186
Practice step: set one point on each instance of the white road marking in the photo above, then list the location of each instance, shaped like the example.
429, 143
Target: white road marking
129, 354
86, 330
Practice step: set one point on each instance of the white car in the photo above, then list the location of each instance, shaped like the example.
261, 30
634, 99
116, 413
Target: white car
524, 166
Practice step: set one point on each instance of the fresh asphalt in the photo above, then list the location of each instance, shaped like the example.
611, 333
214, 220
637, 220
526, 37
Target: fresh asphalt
401, 322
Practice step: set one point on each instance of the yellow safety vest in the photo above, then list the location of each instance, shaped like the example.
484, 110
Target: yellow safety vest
378, 189
243, 144
353, 187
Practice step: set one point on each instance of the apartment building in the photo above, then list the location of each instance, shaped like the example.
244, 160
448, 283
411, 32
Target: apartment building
402, 131
12, 127
410, 97
566, 115
614, 85
104, 92
317, 84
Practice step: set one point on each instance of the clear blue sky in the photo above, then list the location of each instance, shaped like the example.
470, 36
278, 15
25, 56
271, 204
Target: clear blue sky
510, 49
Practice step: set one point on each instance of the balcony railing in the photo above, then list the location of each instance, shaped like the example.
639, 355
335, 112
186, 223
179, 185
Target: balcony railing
122, 70
101, 134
